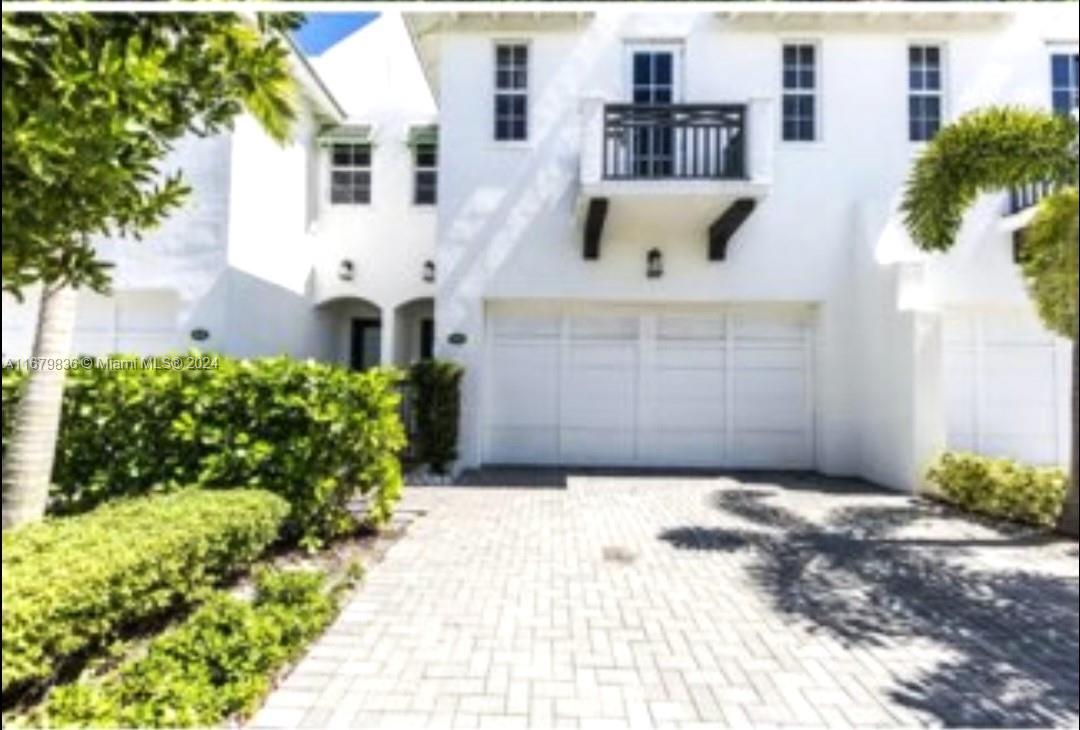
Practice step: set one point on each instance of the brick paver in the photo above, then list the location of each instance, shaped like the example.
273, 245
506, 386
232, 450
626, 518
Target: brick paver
542, 599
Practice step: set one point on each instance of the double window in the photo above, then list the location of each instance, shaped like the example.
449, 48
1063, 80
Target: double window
350, 174
924, 92
1064, 70
511, 92
425, 164
800, 92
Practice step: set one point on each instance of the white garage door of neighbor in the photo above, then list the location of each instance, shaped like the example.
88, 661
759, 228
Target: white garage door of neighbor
1007, 383
649, 386
141, 322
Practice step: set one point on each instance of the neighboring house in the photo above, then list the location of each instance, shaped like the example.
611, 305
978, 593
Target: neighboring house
656, 239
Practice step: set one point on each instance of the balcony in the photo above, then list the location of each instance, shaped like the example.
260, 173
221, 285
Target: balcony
1023, 197
693, 157
675, 149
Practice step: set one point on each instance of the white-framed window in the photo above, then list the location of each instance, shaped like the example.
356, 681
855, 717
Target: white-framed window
800, 84
511, 91
1064, 81
350, 173
925, 84
425, 173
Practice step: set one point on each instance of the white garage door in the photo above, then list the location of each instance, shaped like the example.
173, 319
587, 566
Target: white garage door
1007, 387
649, 386
142, 322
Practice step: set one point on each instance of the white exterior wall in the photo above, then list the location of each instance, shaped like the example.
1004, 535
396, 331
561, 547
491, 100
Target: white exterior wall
510, 214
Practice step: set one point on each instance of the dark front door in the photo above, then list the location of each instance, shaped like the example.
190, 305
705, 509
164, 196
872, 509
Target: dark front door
365, 344
653, 84
427, 338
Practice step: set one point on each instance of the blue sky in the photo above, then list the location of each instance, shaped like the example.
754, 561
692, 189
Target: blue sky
322, 30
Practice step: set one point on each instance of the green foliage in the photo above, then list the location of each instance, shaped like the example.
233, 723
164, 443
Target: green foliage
215, 666
1048, 257
316, 434
72, 584
436, 394
999, 487
91, 106
988, 150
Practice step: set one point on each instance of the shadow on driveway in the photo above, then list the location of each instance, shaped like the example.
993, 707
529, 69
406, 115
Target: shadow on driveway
1012, 634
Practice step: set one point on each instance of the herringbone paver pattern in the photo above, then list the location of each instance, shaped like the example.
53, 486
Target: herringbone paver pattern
647, 601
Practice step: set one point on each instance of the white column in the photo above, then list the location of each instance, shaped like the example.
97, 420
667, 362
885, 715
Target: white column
388, 339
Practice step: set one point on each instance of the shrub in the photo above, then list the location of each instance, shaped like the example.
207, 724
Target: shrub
216, 665
315, 433
999, 487
436, 393
73, 583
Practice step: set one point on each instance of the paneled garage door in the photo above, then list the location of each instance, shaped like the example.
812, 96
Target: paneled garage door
614, 385
1007, 387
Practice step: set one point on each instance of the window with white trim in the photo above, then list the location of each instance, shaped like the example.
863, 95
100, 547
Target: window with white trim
511, 91
799, 104
924, 91
350, 173
1064, 70
425, 173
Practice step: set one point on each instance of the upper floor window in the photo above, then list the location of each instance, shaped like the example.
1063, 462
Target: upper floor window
511, 91
425, 164
924, 92
800, 92
350, 174
1064, 70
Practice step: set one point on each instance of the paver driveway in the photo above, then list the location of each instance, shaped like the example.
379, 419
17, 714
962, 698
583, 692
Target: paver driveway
638, 600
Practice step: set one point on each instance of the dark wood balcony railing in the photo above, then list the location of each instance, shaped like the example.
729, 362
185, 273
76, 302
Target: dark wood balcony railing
674, 141
1026, 196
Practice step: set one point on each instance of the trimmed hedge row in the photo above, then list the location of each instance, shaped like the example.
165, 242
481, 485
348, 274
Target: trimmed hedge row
72, 584
315, 433
999, 487
216, 665
435, 390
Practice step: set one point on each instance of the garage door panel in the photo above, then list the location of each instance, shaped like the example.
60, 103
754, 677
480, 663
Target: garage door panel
650, 386
1005, 390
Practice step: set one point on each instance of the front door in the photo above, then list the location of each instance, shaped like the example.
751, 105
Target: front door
654, 83
365, 344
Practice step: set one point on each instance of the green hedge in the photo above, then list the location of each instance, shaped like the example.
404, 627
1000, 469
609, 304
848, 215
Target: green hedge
316, 434
435, 387
73, 583
999, 487
217, 665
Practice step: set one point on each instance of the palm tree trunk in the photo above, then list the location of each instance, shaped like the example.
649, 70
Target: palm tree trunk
1067, 523
28, 460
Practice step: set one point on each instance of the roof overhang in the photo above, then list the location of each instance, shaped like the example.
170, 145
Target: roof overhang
311, 85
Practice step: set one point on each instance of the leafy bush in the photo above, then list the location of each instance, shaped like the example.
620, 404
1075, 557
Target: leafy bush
999, 487
315, 433
436, 393
71, 584
216, 665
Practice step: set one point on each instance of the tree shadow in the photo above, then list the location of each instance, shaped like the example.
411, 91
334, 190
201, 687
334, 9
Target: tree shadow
1010, 636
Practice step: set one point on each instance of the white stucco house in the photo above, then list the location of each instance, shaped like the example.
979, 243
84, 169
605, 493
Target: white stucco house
652, 239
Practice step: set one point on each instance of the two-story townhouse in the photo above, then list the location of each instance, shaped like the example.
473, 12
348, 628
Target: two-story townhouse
652, 239
672, 239
306, 248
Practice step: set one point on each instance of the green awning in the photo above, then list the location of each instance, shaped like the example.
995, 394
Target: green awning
347, 134
423, 134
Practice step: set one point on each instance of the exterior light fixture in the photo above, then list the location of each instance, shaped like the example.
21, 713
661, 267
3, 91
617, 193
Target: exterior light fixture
428, 273
346, 270
654, 264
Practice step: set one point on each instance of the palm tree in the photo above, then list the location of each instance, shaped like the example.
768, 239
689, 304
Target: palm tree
1001, 148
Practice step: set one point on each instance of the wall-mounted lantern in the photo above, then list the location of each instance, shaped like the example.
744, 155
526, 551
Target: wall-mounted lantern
346, 270
654, 264
428, 272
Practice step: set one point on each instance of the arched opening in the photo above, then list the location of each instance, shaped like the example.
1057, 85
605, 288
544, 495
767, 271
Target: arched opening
354, 332
414, 331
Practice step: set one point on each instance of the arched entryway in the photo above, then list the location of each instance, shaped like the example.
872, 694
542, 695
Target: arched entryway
414, 330
355, 336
